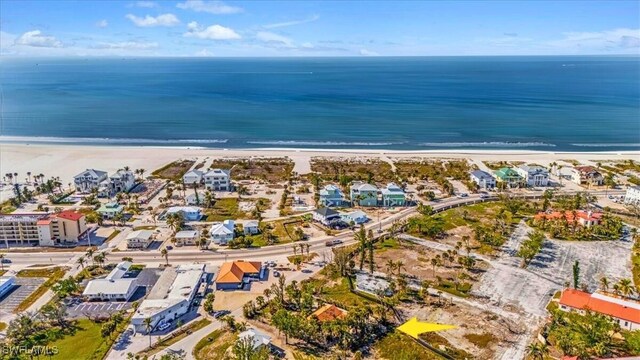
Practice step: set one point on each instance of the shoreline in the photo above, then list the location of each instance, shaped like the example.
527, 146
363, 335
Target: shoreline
65, 161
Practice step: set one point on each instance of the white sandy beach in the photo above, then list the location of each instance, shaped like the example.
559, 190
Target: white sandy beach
65, 161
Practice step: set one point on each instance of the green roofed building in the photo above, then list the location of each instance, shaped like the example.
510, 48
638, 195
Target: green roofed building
509, 177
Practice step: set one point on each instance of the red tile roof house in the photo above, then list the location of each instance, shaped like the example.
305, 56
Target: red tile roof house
625, 312
585, 218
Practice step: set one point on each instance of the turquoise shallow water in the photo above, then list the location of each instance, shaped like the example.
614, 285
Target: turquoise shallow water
542, 103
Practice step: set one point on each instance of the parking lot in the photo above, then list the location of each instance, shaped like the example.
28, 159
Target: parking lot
97, 308
23, 288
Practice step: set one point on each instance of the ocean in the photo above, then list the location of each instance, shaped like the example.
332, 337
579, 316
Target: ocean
561, 103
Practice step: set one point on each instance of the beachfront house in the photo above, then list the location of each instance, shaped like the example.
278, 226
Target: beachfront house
192, 177
187, 237
483, 179
139, 239
234, 275
355, 217
363, 194
89, 180
533, 175
633, 195
251, 227
110, 210
393, 195
218, 180
189, 213
509, 177
331, 196
326, 216
222, 232
120, 181
625, 312
586, 175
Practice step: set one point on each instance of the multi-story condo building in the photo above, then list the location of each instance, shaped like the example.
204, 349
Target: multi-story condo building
218, 180
42, 229
89, 180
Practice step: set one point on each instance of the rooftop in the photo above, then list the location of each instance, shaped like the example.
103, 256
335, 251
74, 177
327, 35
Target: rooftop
257, 337
326, 212
234, 272
186, 234
140, 234
602, 304
329, 312
581, 214
481, 174
224, 228
70, 215
362, 186
119, 271
23, 217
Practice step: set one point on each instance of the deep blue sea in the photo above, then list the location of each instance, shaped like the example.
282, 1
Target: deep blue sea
563, 103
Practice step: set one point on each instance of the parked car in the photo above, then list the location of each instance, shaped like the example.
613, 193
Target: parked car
463, 195
6, 261
169, 247
333, 242
276, 274
164, 326
221, 313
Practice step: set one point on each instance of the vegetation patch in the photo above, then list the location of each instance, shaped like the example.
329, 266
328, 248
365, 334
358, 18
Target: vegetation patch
482, 341
215, 345
174, 170
433, 170
268, 170
438, 341
396, 346
53, 275
176, 336
344, 171
224, 209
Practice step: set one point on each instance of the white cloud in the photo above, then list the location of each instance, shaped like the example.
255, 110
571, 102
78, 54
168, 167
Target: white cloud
203, 53
213, 32
291, 23
270, 37
128, 45
143, 4
150, 21
35, 38
102, 23
212, 7
616, 39
365, 52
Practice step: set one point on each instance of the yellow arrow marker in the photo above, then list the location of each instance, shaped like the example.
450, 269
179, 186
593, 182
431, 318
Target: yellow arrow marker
413, 327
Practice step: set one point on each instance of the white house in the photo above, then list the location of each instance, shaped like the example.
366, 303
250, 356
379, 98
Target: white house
6, 284
326, 216
633, 195
222, 233
331, 196
88, 180
586, 175
483, 179
393, 195
257, 338
356, 217
189, 213
192, 199
114, 287
218, 180
191, 177
187, 237
533, 175
170, 298
251, 227
110, 210
139, 239
120, 181
364, 194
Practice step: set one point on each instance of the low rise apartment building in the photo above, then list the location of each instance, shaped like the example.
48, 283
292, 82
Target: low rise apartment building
65, 227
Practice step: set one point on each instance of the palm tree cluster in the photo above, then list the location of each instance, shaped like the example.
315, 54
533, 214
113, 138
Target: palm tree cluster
624, 287
175, 221
568, 227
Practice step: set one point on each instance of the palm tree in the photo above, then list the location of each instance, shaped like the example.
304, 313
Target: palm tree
165, 255
538, 350
89, 254
604, 284
147, 327
626, 287
81, 262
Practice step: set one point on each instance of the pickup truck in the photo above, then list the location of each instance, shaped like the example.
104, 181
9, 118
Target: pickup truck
333, 242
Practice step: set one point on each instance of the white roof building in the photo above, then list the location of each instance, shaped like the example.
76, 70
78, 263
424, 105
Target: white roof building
222, 233
114, 287
187, 237
192, 176
139, 239
258, 338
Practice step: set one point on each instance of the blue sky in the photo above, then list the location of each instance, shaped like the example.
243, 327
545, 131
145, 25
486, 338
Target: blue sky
310, 28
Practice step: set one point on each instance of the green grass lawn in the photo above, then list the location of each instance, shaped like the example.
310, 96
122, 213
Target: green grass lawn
397, 346
214, 345
341, 294
389, 243
482, 212
82, 344
223, 209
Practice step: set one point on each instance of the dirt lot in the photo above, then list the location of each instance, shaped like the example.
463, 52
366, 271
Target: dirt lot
481, 333
268, 170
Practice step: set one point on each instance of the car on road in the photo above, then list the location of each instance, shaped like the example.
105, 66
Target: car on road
463, 195
306, 271
169, 247
6, 261
221, 313
271, 263
333, 242
276, 274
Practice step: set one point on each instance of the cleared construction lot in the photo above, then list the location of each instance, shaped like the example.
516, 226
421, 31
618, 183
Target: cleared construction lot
529, 290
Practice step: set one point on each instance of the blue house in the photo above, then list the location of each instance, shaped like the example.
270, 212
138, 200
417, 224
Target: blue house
331, 196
